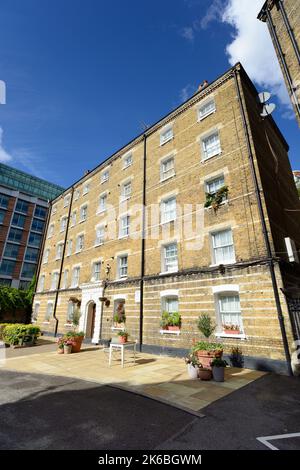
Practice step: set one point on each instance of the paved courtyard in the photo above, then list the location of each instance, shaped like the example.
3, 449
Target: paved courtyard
161, 378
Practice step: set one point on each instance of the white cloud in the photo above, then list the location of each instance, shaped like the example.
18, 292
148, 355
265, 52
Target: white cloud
249, 44
4, 155
252, 46
186, 92
188, 33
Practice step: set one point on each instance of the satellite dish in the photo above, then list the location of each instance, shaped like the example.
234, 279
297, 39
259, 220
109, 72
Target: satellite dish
268, 109
264, 97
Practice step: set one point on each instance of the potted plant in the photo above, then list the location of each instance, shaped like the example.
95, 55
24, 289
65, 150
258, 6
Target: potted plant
218, 368
68, 345
164, 323
77, 338
119, 320
123, 337
192, 365
207, 350
236, 357
231, 329
60, 345
174, 321
204, 373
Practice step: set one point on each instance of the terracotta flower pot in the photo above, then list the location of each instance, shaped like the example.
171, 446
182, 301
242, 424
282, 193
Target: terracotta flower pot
205, 357
122, 339
78, 341
173, 328
204, 374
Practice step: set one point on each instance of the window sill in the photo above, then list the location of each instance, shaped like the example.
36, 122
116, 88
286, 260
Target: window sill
215, 265
168, 272
114, 328
168, 332
124, 199
166, 141
222, 204
204, 160
82, 220
104, 181
120, 279
69, 325
102, 211
206, 115
46, 323
226, 335
127, 166
168, 222
123, 237
98, 244
162, 180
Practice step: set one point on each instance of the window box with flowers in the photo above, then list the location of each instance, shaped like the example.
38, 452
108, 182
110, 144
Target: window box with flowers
170, 322
232, 329
214, 200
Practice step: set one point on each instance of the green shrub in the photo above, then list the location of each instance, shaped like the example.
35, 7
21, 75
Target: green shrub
17, 333
2, 326
206, 325
205, 346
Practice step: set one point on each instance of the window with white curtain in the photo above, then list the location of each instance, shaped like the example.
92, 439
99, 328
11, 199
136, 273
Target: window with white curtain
167, 169
213, 185
86, 188
65, 279
73, 218
50, 231
69, 247
63, 224
170, 259
166, 135
83, 213
70, 311
79, 243
127, 161
211, 145
102, 203
122, 266
41, 283
46, 256
100, 234
230, 310
124, 226
54, 281
168, 210
96, 271
49, 312
223, 248
76, 194
170, 304
105, 176
67, 200
75, 276
206, 109
126, 191
59, 250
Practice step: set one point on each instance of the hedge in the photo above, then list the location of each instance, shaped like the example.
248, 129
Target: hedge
19, 333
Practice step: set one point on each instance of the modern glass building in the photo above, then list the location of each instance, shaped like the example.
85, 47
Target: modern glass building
24, 201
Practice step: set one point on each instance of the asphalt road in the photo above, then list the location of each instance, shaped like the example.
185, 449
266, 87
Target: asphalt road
45, 412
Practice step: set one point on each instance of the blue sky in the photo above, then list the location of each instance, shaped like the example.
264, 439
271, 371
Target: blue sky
83, 75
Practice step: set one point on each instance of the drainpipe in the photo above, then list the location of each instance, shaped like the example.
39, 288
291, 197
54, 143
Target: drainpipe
143, 246
61, 264
43, 246
264, 228
283, 61
289, 29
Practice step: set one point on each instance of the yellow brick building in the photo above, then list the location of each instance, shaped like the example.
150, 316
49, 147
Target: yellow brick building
144, 231
283, 20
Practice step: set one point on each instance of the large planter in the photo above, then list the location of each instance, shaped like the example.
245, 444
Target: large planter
218, 373
192, 371
204, 374
205, 357
77, 343
67, 348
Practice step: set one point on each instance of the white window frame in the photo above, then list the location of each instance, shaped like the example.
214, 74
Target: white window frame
79, 243
217, 150
76, 194
229, 292
163, 213
163, 174
63, 223
46, 256
86, 188
125, 161
41, 284
166, 299
83, 213
211, 180
204, 105
54, 277
121, 267
126, 195
104, 208
73, 218
50, 231
69, 247
100, 240
214, 248
67, 200
104, 176
65, 279
34, 313
59, 250
77, 278
124, 228
96, 275
166, 266
49, 315
166, 134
